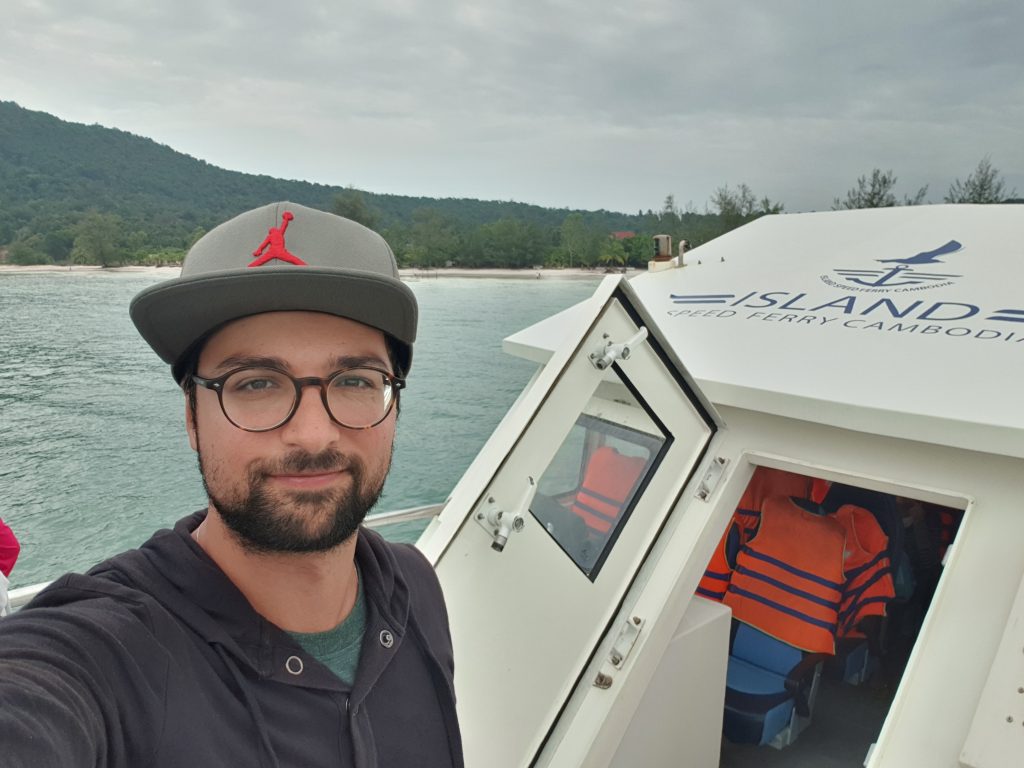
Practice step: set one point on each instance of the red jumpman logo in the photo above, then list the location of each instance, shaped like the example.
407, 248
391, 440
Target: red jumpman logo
273, 246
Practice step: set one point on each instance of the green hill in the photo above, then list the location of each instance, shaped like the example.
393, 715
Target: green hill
65, 185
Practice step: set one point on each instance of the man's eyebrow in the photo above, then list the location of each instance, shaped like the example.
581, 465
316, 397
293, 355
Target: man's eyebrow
246, 361
337, 363
359, 361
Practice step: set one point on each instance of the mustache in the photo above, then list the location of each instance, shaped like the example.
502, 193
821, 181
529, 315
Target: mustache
299, 461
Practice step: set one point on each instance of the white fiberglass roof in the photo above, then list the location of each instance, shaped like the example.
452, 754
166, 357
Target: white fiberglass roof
902, 321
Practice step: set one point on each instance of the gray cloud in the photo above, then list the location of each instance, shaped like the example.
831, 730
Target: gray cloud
555, 102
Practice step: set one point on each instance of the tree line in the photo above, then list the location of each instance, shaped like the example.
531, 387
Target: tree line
432, 237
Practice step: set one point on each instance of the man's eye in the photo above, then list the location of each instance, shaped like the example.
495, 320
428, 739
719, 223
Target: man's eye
353, 382
255, 385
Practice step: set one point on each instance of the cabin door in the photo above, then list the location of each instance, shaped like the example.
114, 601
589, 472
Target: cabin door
546, 531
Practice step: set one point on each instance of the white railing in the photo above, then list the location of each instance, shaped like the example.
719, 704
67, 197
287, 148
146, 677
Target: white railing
22, 595
403, 516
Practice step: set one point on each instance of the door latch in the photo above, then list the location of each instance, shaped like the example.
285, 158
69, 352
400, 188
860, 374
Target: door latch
605, 355
501, 523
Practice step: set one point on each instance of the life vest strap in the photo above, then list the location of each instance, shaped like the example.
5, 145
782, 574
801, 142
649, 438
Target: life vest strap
792, 569
822, 601
829, 627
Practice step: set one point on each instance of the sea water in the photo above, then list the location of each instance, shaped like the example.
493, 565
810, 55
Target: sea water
93, 452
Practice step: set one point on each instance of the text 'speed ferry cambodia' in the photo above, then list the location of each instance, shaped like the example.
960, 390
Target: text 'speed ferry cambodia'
761, 508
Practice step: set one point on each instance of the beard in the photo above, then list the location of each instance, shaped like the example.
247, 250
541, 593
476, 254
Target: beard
268, 522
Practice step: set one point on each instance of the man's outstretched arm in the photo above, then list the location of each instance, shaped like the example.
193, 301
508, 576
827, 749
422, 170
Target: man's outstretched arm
68, 694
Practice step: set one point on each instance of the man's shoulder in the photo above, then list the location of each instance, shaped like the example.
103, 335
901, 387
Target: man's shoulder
83, 627
405, 562
100, 598
413, 576
119, 589
397, 565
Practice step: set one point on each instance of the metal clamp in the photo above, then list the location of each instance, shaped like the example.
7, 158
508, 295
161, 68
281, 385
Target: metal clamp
604, 356
501, 523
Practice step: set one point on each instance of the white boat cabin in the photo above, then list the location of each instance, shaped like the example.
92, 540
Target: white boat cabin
873, 357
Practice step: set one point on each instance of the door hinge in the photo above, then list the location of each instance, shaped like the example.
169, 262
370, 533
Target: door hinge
624, 643
711, 478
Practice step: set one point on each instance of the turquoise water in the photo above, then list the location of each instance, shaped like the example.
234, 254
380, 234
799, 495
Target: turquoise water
93, 454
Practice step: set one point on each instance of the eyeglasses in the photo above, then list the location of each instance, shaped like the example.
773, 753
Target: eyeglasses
259, 399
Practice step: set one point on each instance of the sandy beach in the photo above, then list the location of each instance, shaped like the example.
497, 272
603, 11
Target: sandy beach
406, 274
15, 269
518, 274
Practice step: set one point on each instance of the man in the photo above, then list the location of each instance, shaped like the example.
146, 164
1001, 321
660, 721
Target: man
269, 629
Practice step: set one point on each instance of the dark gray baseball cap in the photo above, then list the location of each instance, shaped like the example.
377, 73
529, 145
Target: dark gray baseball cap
280, 257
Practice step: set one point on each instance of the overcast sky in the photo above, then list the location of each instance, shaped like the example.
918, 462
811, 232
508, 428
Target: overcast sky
563, 103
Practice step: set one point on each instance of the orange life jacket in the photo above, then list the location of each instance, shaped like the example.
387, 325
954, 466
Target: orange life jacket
763, 483
788, 579
767, 482
869, 586
607, 483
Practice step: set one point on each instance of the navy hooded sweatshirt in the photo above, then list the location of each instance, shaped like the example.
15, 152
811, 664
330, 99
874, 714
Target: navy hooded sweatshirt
154, 658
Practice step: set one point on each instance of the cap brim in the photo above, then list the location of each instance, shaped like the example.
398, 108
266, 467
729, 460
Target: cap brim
172, 316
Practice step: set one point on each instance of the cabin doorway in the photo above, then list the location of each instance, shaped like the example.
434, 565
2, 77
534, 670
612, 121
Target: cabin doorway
894, 548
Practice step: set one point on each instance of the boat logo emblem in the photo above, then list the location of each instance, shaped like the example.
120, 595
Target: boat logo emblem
903, 276
273, 246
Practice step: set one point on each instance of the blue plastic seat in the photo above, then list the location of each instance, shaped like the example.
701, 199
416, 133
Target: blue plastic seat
770, 688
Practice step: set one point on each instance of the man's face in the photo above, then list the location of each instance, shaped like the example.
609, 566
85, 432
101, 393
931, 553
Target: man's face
305, 486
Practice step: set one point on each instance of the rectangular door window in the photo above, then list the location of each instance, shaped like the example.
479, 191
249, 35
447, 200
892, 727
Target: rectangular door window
587, 492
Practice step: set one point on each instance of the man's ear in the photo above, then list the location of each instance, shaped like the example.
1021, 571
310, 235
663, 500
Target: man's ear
190, 423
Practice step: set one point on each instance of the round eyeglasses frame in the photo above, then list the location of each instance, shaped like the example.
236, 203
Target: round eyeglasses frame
217, 385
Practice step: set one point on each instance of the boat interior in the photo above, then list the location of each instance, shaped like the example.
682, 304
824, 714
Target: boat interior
848, 693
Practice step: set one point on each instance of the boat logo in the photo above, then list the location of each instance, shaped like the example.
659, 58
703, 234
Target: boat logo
867, 299
273, 246
904, 275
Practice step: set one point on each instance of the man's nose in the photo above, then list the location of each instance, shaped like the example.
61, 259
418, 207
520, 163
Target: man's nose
311, 425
